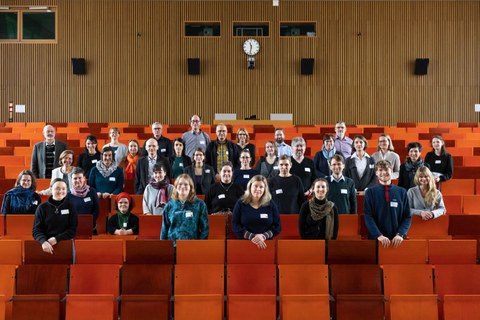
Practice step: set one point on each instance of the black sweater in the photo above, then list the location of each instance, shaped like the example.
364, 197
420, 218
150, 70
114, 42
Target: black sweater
218, 198
55, 219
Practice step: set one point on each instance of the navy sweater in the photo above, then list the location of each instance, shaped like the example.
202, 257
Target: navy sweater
248, 221
387, 218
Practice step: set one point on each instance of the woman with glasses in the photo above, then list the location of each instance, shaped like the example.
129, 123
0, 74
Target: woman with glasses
245, 173
385, 152
242, 142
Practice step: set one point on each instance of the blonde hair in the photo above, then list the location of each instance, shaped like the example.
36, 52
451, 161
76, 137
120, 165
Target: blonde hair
247, 136
191, 194
432, 193
390, 143
64, 154
266, 197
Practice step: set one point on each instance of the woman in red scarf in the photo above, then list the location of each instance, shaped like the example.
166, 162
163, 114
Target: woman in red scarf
129, 163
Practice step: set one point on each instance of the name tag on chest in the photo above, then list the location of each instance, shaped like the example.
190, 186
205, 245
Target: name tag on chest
188, 214
65, 211
263, 216
221, 196
112, 179
438, 161
393, 204
246, 176
343, 191
163, 150
94, 161
87, 199
278, 191
180, 164
307, 170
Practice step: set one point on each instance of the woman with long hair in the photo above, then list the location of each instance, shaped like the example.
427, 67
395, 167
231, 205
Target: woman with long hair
425, 200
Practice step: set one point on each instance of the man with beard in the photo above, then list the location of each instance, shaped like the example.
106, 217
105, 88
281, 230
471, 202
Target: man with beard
282, 147
45, 154
303, 167
222, 150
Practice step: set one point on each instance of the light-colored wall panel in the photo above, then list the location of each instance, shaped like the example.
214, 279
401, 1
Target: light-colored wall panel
136, 56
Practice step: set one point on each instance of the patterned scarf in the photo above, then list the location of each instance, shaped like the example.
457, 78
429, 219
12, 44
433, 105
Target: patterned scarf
320, 211
104, 171
81, 192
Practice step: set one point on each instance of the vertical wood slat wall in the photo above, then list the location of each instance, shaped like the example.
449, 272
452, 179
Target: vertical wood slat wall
137, 54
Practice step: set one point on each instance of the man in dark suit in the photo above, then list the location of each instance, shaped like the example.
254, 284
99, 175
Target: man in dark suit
46, 154
144, 170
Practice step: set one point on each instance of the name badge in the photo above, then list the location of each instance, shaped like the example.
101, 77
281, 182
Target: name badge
35, 202
163, 150
275, 168
246, 176
221, 196
65, 211
371, 166
112, 179
226, 152
263, 216
94, 161
124, 224
188, 214
438, 161
343, 191
87, 199
307, 169
207, 170
202, 142
278, 191
393, 204
180, 164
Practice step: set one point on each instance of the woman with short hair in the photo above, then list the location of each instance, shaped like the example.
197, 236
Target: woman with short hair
129, 163
119, 149
243, 143
123, 223
360, 167
158, 192
106, 177
223, 195
385, 152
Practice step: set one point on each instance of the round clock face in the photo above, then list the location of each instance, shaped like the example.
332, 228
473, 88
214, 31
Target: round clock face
251, 47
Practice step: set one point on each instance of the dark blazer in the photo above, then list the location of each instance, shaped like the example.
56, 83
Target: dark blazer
165, 147
208, 177
38, 157
233, 154
141, 172
369, 178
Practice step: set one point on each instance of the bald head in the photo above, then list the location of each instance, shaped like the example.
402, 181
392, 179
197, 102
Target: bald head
221, 132
152, 147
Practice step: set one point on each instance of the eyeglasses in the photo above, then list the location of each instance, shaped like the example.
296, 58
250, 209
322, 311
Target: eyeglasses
195, 121
157, 128
241, 134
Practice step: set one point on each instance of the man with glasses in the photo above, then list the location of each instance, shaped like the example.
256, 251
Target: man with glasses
165, 147
343, 144
195, 138
222, 150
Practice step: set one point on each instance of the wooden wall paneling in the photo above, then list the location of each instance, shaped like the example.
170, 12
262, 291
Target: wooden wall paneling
136, 56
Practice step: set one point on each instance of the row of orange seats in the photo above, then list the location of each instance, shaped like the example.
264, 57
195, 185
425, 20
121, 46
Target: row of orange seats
298, 283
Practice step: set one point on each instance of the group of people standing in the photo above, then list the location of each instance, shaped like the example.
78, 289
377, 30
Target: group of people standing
280, 182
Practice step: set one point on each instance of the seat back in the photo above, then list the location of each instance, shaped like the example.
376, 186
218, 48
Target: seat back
301, 252
352, 251
95, 279
355, 279
452, 251
411, 251
62, 254
149, 252
99, 251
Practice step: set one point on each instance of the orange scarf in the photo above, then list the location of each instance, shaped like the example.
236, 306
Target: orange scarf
131, 166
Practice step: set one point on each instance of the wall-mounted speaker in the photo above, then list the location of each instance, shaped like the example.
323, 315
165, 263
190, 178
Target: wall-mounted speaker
306, 66
78, 65
193, 65
421, 66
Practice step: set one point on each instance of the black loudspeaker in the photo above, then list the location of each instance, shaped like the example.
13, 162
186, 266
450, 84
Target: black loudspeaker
78, 65
193, 66
421, 66
307, 66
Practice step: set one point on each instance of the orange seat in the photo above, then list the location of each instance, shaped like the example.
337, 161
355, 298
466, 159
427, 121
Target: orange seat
150, 226
149, 251
429, 229
410, 252
201, 251
94, 279
37, 306
7, 286
289, 224
301, 295
348, 227
471, 204
62, 254
453, 204
458, 187
461, 307
90, 306
19, 226
99, 251
217, 226
414, 307
352, 252
10, 252
464, 225
301, 252
452, 251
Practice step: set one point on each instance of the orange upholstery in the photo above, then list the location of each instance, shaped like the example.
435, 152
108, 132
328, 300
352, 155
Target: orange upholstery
104, 251
461, 307
410, 252
90, 306
352, 252
414, 307
301, 252
429, 229
452, 251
